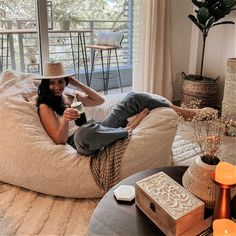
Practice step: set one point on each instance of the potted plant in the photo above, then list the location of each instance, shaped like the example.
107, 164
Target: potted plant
200, 87
208, 133
65, 18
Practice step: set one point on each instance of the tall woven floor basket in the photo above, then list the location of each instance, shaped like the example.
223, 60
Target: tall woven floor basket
201, 91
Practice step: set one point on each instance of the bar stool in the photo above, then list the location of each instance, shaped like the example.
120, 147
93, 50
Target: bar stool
109, 42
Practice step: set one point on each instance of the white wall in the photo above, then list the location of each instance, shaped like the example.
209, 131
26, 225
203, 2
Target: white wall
220, 46
186, 41
181, 28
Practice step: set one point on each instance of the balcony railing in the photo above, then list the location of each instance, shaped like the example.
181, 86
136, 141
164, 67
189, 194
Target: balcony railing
23, 54
24, 46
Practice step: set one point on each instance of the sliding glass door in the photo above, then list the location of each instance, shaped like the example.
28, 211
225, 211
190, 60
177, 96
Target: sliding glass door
34, 31
18, 31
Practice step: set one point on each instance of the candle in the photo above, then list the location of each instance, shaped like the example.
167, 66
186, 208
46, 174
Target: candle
224, 227
225, 173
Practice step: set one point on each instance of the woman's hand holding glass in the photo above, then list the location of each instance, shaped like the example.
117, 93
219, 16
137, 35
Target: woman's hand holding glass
70, 114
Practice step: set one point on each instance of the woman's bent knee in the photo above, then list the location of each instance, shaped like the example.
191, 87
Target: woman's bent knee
85, 131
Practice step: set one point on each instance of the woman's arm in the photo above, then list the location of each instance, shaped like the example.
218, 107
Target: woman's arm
91, 97
56, 128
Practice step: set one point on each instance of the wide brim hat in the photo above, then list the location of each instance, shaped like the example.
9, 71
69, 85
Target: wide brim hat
54, 70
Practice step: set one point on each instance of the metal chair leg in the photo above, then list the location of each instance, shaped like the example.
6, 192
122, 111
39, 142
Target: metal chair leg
108, 68
85, 59
118, 69
78, 54
92, 67
7, 63
84, 56
103, 73
2, 57
72, 52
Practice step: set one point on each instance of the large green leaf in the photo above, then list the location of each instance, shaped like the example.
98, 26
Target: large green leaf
208, 13
228, 4
195, 21
203, 15
223, 23
210, 23
199, 4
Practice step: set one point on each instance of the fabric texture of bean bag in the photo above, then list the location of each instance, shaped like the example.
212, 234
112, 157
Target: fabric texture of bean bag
30, 159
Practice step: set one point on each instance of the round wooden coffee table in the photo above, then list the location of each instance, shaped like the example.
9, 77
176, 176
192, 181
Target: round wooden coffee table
113, 218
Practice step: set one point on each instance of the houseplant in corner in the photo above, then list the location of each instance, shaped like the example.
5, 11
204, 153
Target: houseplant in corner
199, 87
208, 133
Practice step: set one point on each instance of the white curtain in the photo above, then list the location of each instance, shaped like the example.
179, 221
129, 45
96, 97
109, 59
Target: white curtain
152, 62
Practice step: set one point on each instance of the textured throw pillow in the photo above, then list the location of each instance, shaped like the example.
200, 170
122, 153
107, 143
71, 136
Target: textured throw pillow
110, 38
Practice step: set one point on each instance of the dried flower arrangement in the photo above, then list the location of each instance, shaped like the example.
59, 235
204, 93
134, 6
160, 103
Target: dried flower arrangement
208, 132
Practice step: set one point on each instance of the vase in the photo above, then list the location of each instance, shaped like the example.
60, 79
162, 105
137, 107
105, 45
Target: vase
64, 25
197, 180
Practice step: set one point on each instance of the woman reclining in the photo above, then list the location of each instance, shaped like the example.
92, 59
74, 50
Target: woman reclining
55, 112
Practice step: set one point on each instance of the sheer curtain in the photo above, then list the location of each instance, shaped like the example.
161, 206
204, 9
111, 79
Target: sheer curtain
152, 62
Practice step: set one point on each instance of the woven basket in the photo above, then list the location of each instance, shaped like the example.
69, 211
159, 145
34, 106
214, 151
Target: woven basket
202, 91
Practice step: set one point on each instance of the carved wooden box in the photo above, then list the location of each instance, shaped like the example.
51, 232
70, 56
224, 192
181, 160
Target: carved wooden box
172, 208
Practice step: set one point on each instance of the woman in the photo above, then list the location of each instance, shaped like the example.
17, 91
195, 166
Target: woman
55, 112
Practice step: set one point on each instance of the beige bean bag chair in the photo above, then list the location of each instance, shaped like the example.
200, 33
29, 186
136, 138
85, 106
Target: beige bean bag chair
30, 159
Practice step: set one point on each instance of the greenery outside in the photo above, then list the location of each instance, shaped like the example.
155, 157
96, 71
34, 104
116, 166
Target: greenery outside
105, 14
68, 9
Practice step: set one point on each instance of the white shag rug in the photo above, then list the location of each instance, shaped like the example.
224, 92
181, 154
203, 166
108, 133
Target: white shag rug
24, 212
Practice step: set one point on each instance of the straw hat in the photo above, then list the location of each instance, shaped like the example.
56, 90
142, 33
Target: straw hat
54, 70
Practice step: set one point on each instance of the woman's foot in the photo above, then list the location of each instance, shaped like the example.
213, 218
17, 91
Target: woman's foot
189, 113
137, 119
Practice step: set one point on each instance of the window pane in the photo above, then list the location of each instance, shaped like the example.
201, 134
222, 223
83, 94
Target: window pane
95, 15
19, 50
19, 42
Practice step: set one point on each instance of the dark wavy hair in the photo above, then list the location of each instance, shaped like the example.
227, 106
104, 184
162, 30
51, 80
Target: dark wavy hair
45, 96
